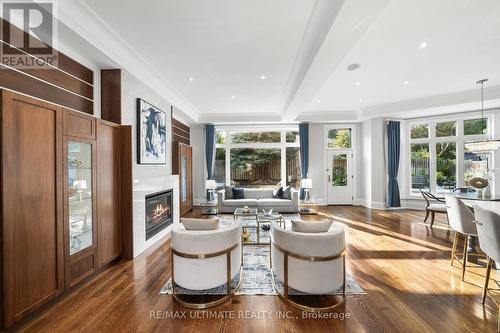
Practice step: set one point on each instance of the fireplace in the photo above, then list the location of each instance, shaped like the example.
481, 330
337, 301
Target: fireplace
158, 212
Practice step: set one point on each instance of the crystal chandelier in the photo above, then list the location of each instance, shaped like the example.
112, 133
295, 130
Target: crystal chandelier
482, 146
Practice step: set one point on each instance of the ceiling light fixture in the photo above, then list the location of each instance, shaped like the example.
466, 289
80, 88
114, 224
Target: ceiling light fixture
483, 146
319, 101
423, 45
191, 78
406, 82
353, 67
361, 100
233, 97
263, 77
358, 83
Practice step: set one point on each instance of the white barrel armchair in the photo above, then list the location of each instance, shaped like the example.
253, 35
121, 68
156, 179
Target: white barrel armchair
205, 259
312, 263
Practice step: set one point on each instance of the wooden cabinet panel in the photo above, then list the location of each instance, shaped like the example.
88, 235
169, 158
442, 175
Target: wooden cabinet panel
108, 191
185, 178
79, 125
32, 216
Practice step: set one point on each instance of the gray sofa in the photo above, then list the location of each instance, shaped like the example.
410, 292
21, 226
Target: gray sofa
260, 198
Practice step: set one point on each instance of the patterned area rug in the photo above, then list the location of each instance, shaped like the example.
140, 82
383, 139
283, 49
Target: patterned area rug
257, 278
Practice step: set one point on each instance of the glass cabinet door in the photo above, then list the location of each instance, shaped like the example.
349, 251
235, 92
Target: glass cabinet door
80, 195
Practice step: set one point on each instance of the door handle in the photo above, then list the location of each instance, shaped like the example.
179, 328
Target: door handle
329, 179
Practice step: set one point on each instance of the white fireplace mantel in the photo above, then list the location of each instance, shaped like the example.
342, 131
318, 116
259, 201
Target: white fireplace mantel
141, 188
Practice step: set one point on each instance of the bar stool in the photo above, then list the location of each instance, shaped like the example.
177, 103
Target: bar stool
461, 219
488, 229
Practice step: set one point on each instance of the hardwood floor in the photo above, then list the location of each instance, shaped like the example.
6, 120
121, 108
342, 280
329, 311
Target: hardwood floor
403, 265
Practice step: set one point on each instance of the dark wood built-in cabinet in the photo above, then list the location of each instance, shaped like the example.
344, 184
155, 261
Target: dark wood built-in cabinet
32, 205
182, 165
109, 189
62, 189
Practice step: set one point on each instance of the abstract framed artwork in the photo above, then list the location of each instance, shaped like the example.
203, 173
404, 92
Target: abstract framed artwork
151, 134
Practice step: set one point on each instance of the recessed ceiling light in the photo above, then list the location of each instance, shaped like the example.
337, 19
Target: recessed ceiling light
233, 97
423, 45
263, 77
191, 78
361, 100
358, 83
213, 110
406, 82
353, 67
319, 101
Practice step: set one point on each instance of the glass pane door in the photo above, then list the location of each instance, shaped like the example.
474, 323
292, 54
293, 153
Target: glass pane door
339, 177
80, 195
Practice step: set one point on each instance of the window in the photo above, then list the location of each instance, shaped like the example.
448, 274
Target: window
258, 158
339, 138
339, 170
448, 128
220, 166
420, 166
420, 131
255, 137
293, 176
292, 136
255, 167
439, 161
446, 167
475, 165
475, 126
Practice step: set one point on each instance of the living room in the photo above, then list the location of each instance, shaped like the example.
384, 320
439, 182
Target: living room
236, 166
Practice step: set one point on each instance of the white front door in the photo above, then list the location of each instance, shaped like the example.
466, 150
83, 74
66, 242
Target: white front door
339, 177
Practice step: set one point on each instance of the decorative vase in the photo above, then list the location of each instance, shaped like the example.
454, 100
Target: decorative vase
245, 235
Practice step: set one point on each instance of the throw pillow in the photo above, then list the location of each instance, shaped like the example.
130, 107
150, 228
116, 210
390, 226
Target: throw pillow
311, 226
228, 192
278, 194
287, 193
238, 193
200, 224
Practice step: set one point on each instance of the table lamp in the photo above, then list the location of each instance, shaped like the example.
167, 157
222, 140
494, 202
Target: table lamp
210, 185
306, 184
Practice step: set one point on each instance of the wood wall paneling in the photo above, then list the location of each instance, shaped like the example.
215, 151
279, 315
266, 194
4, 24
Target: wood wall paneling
65, 82
180, 132
17, 81
32, 223
111, 95
63, 63
108, 191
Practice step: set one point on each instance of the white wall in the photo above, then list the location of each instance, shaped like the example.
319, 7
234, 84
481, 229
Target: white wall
147, 178
199, 164
317, 156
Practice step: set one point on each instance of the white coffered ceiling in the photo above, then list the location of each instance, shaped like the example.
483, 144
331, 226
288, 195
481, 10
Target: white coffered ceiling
286, 60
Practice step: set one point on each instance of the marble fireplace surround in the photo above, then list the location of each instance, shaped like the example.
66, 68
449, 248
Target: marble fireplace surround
141, 188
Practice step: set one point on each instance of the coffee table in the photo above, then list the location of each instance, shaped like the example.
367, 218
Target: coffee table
253, 220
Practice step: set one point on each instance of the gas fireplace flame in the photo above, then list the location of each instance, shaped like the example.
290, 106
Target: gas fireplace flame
159, 210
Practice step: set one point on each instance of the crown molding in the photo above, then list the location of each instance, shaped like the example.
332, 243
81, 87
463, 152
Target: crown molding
80, 18
462, 101
240, 118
